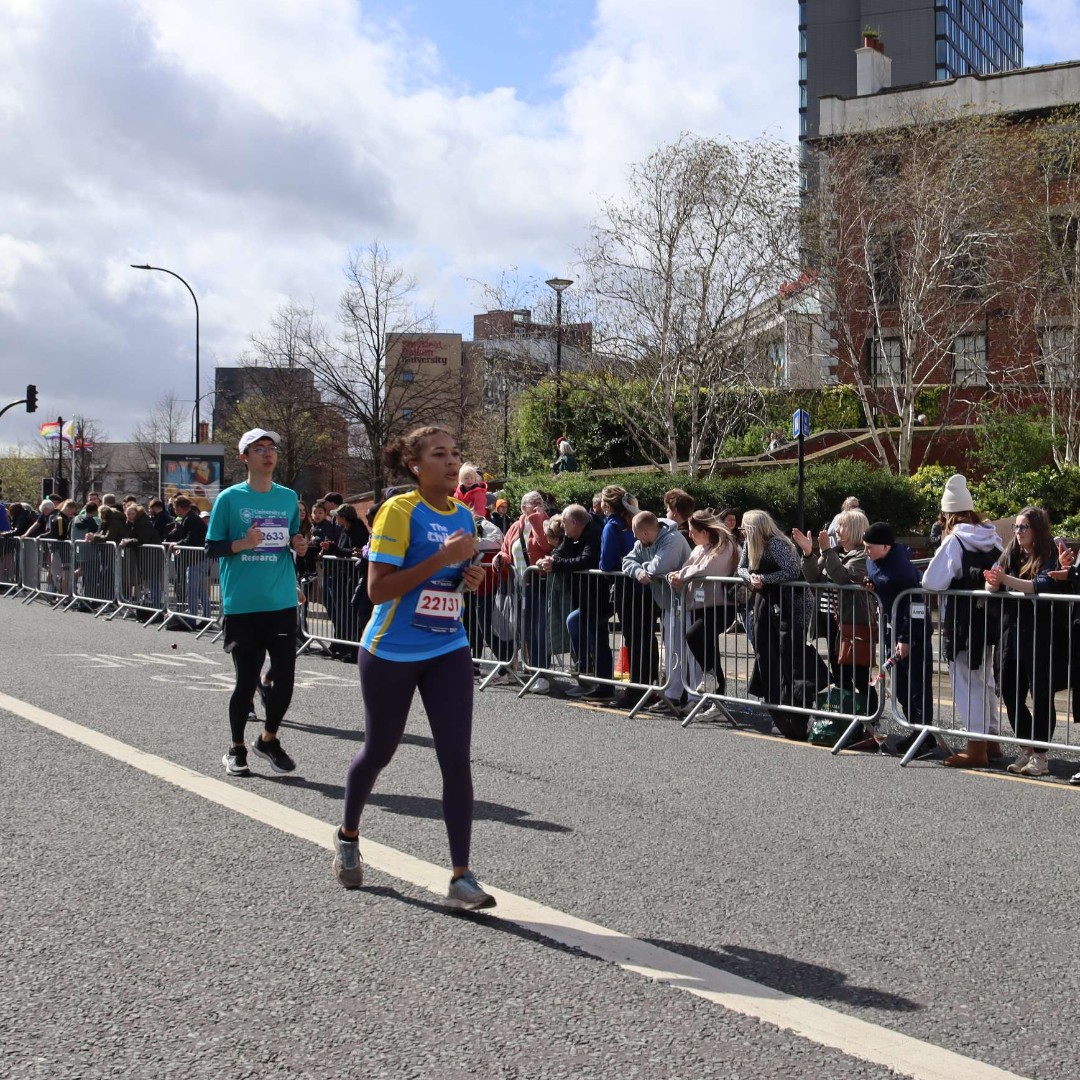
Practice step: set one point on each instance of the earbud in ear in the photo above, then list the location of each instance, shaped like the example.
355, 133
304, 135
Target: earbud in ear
416, 469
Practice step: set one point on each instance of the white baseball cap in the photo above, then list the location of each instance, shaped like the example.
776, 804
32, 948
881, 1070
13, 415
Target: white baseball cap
254, 435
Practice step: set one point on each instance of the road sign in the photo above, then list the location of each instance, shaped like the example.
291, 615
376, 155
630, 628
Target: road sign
800, 424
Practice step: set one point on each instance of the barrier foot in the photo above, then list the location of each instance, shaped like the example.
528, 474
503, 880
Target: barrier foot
845, 738
528, 686
699, 706
914, 748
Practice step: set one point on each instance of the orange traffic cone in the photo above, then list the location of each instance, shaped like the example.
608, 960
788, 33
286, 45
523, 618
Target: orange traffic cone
622, 666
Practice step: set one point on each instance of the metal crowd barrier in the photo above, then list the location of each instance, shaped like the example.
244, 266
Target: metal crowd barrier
574, 626
790, 656
192, 590
10, 565
330, 617
95, 576
143, 581
1026, 677
492, 620
47, 572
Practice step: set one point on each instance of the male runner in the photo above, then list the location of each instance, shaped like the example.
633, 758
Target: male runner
252, 527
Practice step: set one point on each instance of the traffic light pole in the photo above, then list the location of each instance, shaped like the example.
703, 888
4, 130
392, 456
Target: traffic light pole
30, 401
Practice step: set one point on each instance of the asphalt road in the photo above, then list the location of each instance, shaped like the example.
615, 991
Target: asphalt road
149, 932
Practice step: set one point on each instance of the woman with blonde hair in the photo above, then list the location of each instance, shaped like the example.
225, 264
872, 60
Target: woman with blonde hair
843, 562
786, 670
633, 601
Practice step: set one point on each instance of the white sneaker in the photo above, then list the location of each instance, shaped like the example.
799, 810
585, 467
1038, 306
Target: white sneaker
1021, 762
1075, 779
700, 688
541, 686
1037, 766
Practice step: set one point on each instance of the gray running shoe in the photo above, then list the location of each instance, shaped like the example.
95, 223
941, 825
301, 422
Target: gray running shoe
348, 862
235, 761
465, 893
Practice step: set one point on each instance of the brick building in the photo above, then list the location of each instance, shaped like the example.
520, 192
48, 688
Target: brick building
947, 224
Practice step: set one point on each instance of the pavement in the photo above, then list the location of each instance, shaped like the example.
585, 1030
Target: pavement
157, 925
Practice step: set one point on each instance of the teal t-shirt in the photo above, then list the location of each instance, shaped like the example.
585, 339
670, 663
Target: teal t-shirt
263, 579
426, 621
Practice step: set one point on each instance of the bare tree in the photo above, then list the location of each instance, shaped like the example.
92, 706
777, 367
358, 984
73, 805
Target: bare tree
73, 456
280, 395
708, 230
914, 233
362, 366
1053, 311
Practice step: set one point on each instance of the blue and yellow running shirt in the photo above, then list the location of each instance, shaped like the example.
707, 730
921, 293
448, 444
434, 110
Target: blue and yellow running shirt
426, 621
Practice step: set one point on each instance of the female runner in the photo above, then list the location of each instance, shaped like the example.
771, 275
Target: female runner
420, 552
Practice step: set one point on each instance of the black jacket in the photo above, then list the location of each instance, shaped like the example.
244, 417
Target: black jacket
576, 556
189, 530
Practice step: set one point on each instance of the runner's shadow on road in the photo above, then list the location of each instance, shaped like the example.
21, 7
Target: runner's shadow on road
420, 806
355, 734
331, 791
501, 925
797, 977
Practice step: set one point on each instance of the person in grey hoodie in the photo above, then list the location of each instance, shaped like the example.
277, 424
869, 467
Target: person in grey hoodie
658, 550
969, 628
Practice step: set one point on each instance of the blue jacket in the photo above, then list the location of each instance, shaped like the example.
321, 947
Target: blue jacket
890, 577
616, 542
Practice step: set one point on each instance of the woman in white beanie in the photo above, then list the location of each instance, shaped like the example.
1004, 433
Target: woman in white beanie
969, 626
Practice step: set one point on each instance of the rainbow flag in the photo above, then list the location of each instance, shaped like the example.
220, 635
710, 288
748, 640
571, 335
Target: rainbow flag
50, 429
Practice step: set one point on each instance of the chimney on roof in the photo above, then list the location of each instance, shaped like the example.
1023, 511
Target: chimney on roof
873, 69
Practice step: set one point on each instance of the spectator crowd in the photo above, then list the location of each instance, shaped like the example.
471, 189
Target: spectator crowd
600, 601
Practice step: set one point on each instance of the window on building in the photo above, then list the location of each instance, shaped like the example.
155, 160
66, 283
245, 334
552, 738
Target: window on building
886, 361
1059, 347
407, 413
969, 360
1060, 256
885, 271
967, 269
408, 376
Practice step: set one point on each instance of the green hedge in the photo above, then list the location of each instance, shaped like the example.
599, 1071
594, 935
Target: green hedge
883, 496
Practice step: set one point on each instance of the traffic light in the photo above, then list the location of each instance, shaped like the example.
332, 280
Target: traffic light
31, 398
46, 488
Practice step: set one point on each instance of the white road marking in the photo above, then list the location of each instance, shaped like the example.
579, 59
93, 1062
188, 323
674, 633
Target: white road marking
851, 1036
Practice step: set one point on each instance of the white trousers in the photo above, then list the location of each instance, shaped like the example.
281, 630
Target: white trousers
974, 694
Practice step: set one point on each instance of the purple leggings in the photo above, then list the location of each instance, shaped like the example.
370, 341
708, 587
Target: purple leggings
446, 689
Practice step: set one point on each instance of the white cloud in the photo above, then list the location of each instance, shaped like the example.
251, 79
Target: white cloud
249, 145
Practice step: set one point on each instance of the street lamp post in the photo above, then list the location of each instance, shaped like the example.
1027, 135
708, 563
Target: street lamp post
147, 266
558, 284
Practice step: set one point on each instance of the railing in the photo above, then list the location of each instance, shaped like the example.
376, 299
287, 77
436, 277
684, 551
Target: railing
983, 663
805, 653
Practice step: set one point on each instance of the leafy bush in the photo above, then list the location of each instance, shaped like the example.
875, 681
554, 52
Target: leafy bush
1011, 443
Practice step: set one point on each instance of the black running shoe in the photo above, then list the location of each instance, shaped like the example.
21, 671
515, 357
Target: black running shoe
273, 752
235, 761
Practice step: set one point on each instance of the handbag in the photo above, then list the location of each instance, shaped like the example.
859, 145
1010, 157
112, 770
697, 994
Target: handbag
857, 642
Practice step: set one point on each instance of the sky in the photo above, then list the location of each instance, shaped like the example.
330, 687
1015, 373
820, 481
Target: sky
251, 145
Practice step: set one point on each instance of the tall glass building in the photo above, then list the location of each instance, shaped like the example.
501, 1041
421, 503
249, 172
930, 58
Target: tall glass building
926, 40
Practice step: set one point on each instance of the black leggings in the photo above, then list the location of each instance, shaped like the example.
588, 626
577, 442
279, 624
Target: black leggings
703, 638
446, 689
249, 639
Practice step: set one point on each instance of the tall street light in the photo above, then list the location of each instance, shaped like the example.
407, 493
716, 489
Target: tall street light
147, 266
558, 284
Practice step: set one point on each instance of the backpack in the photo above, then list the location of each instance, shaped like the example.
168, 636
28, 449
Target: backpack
970, 623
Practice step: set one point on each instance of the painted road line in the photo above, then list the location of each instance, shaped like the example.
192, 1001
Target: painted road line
816, 1023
